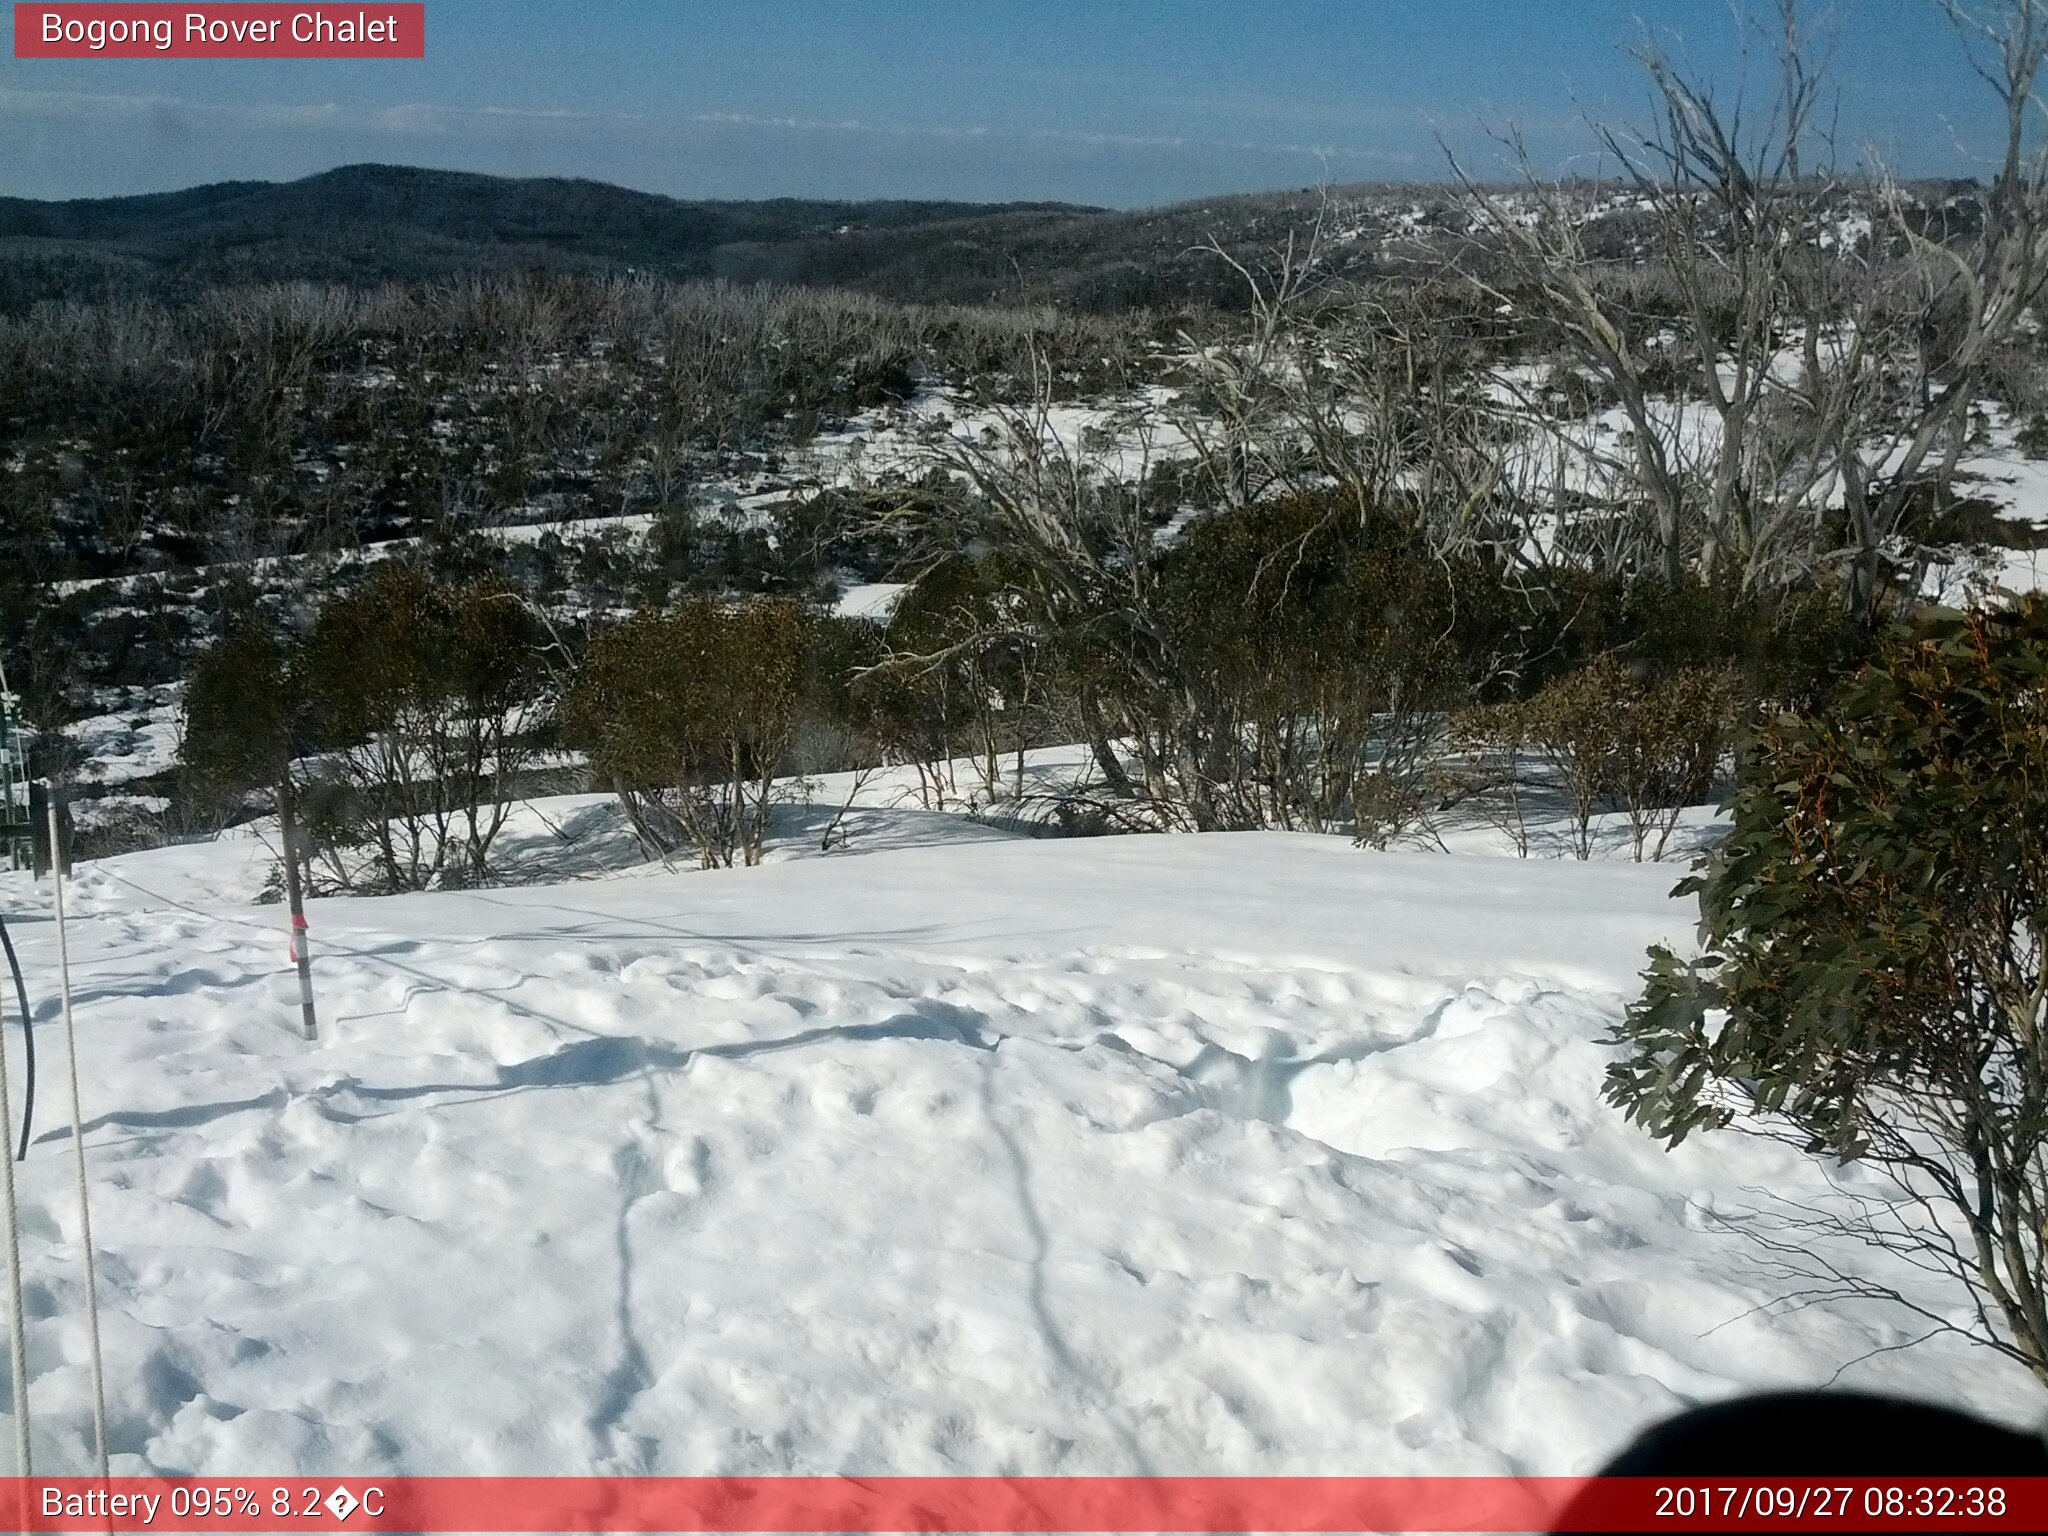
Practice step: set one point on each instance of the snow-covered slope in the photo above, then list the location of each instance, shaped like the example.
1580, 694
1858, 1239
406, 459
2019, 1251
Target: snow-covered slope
1222, 1154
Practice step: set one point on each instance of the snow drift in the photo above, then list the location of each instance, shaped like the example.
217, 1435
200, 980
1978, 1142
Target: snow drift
1229, 1154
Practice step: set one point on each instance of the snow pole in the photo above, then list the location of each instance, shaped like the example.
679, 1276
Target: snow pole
92, 1284
295, 899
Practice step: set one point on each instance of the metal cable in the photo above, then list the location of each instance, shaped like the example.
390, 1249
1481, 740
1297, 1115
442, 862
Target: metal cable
17, 1335
28, 1044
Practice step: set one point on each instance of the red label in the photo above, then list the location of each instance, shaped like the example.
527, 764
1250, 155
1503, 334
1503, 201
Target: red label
113, 30
1687, 1506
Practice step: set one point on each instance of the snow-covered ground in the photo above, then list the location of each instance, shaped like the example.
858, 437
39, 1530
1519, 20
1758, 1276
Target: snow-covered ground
1229, 1154
1123, 436
871, 600
134, 740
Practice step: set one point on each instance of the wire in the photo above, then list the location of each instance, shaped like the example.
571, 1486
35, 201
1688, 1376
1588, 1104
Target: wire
92, 1284
28, 1044
17, 1325
28, 1029
17, 1337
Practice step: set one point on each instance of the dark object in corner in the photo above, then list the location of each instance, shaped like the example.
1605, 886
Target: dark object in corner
1825, 1434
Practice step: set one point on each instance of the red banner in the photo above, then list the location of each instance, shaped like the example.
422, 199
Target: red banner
149, 31
1024, 1504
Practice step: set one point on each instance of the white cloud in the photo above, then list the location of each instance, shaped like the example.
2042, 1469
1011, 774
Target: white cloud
438, 120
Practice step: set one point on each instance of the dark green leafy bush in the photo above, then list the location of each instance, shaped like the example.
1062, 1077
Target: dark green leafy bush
430, 693
1874, 976
691, 715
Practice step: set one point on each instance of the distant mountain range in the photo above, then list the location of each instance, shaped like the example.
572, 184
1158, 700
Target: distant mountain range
367, 223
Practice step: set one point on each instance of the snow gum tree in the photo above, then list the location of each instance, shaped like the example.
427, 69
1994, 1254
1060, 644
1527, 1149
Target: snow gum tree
1873, 985
1796, 358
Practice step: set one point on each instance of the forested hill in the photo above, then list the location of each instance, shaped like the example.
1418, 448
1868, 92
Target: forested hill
369, 223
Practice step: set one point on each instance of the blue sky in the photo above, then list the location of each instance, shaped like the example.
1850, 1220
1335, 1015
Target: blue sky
1121, 102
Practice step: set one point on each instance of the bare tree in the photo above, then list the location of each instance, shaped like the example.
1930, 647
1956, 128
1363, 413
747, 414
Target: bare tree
1822, 337
1974, 293
1078, 543
1374, 393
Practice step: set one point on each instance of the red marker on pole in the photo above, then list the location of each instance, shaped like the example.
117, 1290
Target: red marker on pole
301, 948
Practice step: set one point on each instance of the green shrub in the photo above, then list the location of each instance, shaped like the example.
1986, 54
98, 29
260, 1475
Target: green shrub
691, 714
238, 714
1873, 983
1317, 660
1616, 738
2032, 438
1784, 648
427, 691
